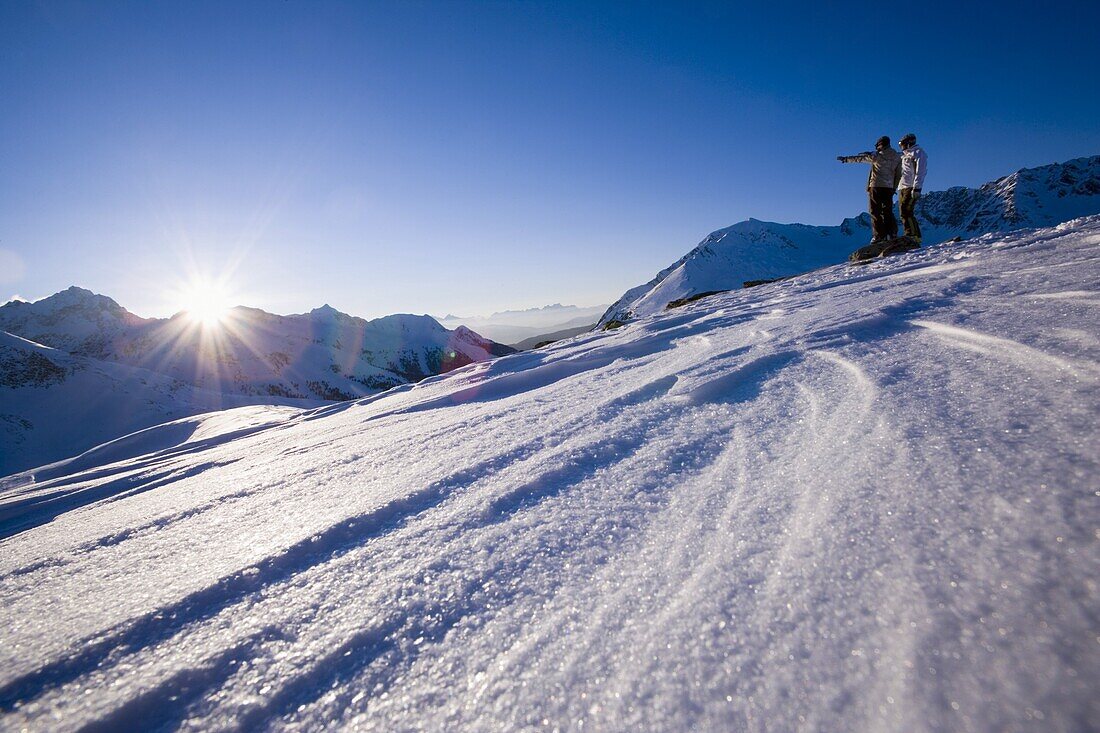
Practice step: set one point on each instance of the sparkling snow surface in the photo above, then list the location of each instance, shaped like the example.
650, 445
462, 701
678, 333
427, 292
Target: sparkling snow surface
864, 499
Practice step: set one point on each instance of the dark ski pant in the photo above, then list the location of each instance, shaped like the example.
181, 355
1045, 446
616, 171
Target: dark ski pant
883, 223
907, 203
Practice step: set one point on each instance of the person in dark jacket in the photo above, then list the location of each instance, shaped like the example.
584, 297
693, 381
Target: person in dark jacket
882, 183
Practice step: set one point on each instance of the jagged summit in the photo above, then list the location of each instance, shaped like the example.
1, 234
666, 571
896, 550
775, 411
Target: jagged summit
75, 291
758, 250
74, 319
75, 296
1030, 197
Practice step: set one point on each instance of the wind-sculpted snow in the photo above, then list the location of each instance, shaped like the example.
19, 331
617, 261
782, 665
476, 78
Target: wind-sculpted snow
856, 500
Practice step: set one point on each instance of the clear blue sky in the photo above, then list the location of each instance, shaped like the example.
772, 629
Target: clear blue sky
470, 157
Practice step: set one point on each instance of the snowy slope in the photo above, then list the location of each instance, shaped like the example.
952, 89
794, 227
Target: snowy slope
322, 354
760, 250
55, 405
859, 500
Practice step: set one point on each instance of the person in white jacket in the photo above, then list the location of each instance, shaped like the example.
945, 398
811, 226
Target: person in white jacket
914, 165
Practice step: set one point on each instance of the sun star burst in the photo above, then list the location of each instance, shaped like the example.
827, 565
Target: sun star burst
207, 302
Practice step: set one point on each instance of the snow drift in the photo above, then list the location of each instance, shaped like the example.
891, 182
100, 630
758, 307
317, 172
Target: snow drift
860, 499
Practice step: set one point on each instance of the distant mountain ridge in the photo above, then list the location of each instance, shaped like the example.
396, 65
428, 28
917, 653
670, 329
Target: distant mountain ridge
552, 313
323, 354
516, 326
77, 369
760, 250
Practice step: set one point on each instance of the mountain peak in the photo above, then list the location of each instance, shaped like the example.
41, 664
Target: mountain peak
75, 298
407, 320
326, 313
76, 294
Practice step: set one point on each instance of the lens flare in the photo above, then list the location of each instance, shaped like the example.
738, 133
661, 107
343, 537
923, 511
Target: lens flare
207, 302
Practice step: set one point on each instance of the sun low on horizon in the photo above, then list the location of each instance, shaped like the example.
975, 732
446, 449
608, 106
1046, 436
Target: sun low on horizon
205, 301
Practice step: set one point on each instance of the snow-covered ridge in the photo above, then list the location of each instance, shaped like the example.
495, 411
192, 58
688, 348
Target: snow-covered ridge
322, 354
121, 373
1031, 197
856, 500
759, 250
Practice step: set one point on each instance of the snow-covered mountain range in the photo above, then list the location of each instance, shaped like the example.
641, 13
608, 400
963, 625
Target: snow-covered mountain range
322, 354
761, 250
856, 500
159, 369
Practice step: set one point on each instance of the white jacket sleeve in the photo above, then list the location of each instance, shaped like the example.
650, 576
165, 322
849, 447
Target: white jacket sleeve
921, 165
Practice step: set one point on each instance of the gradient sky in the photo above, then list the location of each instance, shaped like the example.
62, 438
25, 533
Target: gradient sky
471, 157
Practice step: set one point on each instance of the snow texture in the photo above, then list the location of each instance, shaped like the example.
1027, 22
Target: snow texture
864, 499
762, 250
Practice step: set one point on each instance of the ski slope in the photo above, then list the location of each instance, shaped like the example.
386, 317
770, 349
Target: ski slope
864, 499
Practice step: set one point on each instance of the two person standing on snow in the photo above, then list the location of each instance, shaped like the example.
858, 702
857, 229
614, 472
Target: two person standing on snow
889, 172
